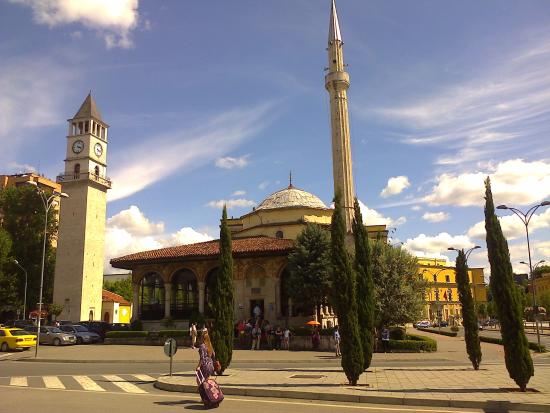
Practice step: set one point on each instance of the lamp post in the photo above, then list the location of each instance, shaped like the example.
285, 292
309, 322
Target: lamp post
526, 218
467, 254
534, 269
25, 295
47, 201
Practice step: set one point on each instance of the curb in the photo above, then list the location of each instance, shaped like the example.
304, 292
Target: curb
489, 405
193, 361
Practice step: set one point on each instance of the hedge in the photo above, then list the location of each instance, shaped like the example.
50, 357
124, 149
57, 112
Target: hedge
126, 334
414, 343
442, 332
306, 331
173, 333
496, 340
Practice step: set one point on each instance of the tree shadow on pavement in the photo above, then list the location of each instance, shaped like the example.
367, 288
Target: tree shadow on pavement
439, 390
188, 404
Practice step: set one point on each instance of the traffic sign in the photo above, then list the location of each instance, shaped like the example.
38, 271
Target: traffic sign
170, 347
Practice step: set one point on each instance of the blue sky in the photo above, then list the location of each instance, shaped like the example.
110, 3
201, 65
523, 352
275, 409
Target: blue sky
215, 101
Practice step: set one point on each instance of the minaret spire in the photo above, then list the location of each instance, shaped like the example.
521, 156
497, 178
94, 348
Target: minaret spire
337, 84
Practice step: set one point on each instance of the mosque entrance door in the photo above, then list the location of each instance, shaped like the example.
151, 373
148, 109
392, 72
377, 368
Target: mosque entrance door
256, 308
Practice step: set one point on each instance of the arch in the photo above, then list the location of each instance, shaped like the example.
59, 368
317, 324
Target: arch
91, 315
77, 171
279, 234
284, 292
106, 317
185, 294
151, 297
96, 170
208, 288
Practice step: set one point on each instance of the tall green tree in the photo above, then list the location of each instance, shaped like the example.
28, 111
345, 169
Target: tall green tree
506, 297
221, 307
344, 297
399, 288
121, 287
23, 219
310, 268
9, 301
469, 317
365, 285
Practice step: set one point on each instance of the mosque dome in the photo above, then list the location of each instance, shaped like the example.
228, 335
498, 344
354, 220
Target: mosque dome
291, 197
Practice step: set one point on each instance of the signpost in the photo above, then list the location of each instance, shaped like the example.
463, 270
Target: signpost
170, 348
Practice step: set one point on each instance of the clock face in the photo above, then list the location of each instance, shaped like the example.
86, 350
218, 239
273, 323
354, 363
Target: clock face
78, 146
98, 149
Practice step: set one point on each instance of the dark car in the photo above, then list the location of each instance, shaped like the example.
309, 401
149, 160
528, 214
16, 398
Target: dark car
24, 324
83, 335
441, 323
98, 327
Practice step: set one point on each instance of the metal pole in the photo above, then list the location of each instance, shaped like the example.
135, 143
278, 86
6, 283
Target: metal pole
41, 279
25, 298
535, 308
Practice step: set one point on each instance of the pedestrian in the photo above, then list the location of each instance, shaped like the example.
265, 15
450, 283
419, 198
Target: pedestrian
385, 339
336, 335
267, 333
286, 339
193, 334
205, 368
315, 339
278, 337
256, 337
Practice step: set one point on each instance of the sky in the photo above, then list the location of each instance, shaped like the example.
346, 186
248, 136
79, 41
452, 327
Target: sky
214, 102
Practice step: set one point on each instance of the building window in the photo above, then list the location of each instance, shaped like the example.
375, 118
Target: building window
77, 171
185, 294
447, 279
279, 234
96, 170
435, 278
151, 297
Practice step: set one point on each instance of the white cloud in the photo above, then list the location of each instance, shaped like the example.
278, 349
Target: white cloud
396, 185
184, 150
514, 182
130, 231
416, 207
263, 185
229, 163
373, 217
435, 216
487, 117
232, 203
19, 167
113, 19
239, 193
436, 246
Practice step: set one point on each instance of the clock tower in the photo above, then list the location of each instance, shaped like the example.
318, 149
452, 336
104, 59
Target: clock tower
78, 279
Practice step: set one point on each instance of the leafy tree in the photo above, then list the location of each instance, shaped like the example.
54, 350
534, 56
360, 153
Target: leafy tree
491, 308
482, 310
365, 285
505, 294
309, 266
222, 299
55, 310
399, 288
121, 287
8, 280
344, 297
471, 329
544, 301
539, 271
23, 219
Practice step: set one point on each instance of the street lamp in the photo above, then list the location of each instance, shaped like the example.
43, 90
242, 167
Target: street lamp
25, 296
526, 218
47, 202
467, 254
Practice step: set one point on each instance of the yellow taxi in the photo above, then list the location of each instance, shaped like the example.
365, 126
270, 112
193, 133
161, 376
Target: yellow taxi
16, 338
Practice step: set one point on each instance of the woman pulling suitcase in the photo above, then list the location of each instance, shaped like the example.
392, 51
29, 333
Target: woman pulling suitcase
209, 389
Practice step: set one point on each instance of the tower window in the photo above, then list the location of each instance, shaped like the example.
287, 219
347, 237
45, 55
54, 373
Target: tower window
80, 128
447, 279
77, 171
96, 170
86, 126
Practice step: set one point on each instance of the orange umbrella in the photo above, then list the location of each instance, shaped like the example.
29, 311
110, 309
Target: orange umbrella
313, 323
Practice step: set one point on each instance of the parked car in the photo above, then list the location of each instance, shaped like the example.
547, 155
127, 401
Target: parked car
422, 324
490, 322
121, 327
16, 338
22, 324
98, 327
53, 335
83, 335
441, 323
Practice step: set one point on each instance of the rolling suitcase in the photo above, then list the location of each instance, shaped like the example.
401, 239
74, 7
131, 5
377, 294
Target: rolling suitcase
209, 391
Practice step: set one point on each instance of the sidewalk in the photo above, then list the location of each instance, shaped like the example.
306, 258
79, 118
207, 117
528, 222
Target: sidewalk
488, 388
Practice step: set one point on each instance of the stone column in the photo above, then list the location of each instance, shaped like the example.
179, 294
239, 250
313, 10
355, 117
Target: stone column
167, 299
278, 298
202, 286
290, 307
135, 301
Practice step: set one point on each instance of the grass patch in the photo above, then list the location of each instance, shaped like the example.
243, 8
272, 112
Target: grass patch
442, 332
496, 340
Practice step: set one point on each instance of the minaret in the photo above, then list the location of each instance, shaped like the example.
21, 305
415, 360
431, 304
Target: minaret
78, 281
337, 83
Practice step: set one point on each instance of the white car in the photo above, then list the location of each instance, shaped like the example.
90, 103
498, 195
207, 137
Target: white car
422, 324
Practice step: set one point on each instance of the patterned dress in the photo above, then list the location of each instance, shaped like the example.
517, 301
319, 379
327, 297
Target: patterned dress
206, 364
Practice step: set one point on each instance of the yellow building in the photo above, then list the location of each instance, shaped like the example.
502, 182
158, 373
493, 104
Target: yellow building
542, 286
115, 308
442, 292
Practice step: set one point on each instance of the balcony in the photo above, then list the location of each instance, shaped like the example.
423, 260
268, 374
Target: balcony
63, 178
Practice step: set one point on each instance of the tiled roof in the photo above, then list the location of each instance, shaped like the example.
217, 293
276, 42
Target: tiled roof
241, 246
112, 297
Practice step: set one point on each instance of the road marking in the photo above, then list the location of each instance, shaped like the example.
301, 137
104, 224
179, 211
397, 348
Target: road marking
52, 382
144, 377
19, 381
123, 384
4, 355
88, 384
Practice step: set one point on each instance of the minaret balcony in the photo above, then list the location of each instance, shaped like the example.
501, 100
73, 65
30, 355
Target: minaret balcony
337, 81
84, 176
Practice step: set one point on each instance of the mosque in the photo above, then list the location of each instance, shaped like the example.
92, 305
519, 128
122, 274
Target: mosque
174, 282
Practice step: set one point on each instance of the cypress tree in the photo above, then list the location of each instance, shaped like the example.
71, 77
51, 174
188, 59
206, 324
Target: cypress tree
506, 297
344, 297
365, 286
471, 329
221, 306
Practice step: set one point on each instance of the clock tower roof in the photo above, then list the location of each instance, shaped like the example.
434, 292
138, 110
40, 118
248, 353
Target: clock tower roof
88, 109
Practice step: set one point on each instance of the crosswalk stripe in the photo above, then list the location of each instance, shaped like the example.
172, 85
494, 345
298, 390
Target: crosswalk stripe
144, 377
52, 382
19, 381
88, 384
123, 384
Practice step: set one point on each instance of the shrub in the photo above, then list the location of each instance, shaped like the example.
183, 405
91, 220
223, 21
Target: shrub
126, 334
442, 332
197, 318
496, 340
414, 343
454, 328
397, 333
136, 325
